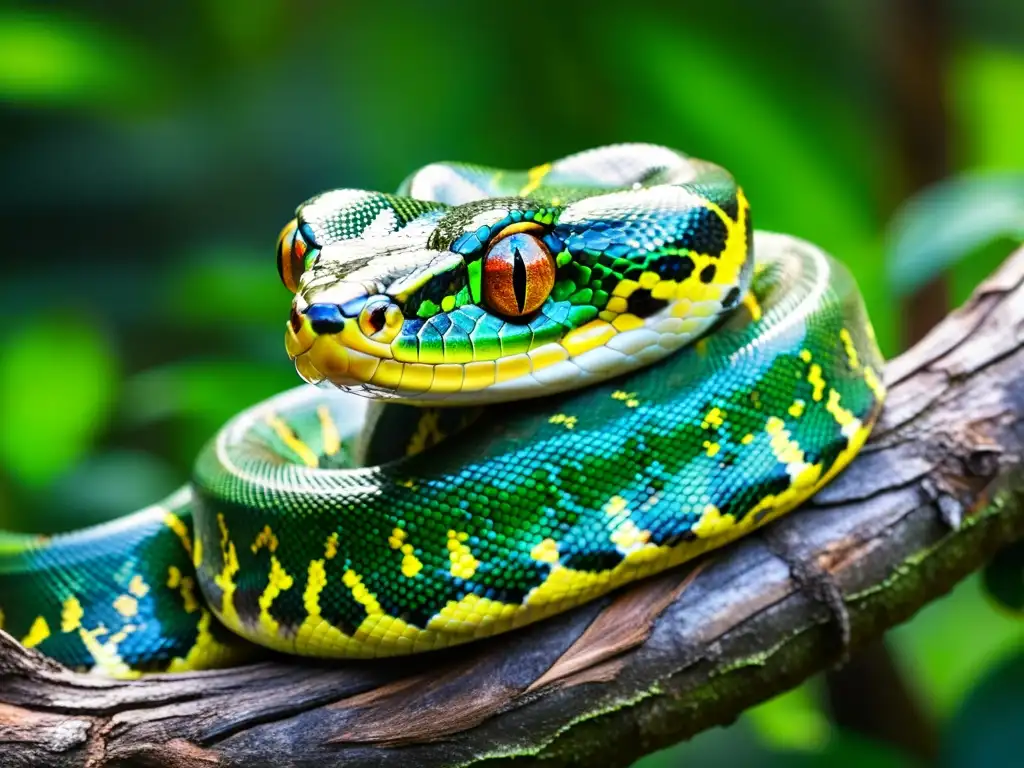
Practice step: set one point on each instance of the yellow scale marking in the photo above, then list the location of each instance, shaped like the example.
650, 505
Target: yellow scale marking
569, 422
752, 307
138, 587
649, 280
624, 289
815, 380
288, 437
197, 554
549, 354
184, 586
71, 615
727, 266
417, 377
873, 382
851, 350
329, 431
788, 452
627, 537
206, 652
411, 565
625, 534
714, 418
629, 398
594, 334
265, 539
843, 417
226, 578
534, 177
545, 552
362, 365
617, 304
105, 653
479, 375
512, 367
428, 432
664, 290
388, 373
37, 633
177, 525
463, 564
278, 579
127, 606
331, 546
448, 378
627, 322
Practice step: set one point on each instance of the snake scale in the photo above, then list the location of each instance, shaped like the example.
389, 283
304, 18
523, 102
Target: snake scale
534, 387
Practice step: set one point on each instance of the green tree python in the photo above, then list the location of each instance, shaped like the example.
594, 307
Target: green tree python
535, 387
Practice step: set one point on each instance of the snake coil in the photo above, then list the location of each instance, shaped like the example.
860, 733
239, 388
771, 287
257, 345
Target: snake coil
623, 374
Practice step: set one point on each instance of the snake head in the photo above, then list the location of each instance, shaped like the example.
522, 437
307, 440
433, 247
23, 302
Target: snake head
497, 291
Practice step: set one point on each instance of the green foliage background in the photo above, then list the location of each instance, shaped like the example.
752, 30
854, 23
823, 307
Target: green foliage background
150, 152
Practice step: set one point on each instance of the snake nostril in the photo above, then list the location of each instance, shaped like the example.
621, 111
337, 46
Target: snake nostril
325, 318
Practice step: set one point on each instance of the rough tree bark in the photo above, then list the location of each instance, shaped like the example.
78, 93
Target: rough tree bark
937, 491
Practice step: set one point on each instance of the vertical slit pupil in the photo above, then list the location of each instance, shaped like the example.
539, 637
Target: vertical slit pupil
377, 318
519, 279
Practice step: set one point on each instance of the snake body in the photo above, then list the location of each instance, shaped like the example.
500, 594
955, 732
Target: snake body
631, 388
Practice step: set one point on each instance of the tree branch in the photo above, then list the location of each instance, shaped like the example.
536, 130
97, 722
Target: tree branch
939, 488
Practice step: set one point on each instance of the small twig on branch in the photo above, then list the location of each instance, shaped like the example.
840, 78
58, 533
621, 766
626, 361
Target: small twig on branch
634, 672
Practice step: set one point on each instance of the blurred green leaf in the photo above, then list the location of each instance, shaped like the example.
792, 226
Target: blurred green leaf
986, 728
228, 288
845, 750
50, 58
103, 487
208, 389
792, 721
943, 224
953, 641
1004, 577
986, 83
988, 129
977, 266
8, 514
58, 377
733, 745
246, 28
200, 396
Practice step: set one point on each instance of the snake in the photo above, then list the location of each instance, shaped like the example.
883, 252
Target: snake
532, 388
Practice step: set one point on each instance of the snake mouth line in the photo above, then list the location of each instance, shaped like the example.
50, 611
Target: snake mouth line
322, 357
593, 353
325, 359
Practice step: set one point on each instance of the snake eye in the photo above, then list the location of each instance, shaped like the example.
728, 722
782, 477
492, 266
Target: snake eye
518, 273
381, 320
293, 252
